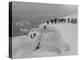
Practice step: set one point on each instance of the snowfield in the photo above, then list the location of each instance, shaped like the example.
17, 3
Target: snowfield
54, 40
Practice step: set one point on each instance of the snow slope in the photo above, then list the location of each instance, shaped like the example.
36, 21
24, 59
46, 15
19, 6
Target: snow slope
23, 46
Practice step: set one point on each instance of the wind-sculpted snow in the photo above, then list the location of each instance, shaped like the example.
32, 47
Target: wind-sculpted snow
39, 40
52, 40
46, 40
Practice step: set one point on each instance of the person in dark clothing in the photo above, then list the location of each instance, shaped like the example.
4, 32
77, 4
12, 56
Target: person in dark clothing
52, 20
47, 22
34, 34
55, 20
31, 36
44, 26
37, 47
26, 34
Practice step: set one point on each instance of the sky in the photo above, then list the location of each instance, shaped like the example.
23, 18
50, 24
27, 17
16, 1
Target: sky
40, 9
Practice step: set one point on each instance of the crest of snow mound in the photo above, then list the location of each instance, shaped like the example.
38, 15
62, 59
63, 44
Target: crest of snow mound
50, 39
